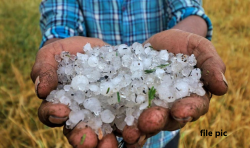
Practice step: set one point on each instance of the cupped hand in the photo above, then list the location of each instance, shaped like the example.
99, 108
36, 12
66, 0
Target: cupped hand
156, 119
44, 75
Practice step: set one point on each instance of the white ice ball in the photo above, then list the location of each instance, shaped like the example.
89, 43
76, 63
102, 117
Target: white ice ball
82, 57
124, 50
136, 65
93, 61
106, 88
129, 120
75, 117
87, 47
159, 73
80, 82
191, 60
195, 74
164, 55
94, 88
107, 116
93, 104
181, 89
165, 93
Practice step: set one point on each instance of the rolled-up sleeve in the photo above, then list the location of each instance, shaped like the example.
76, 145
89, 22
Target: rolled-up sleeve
180, 9
61, 19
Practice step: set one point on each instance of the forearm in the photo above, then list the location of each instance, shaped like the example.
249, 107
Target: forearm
193, 24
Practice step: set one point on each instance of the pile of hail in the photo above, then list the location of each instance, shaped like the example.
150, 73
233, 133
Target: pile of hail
108, 87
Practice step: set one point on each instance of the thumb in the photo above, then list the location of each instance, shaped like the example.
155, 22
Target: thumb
44, 72
45, 77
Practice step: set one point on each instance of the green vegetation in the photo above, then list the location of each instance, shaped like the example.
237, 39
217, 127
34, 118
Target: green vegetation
151, 95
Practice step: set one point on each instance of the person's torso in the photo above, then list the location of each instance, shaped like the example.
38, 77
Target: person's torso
124, 21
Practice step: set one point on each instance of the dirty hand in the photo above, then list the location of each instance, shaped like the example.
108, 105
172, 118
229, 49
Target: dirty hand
44, 75
156, 119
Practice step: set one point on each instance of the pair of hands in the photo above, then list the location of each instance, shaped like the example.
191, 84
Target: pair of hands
152, 120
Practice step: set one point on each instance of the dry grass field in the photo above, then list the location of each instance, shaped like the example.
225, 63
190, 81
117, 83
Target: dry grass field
19, 41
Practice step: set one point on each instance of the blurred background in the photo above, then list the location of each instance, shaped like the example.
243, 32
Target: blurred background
19, 41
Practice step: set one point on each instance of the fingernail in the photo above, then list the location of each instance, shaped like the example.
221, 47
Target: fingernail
224, 78
142, 140
57, 120
187, 119
100, 134
37, 82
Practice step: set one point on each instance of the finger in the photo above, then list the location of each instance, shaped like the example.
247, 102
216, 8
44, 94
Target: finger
44, 69
173, 124
81, 136
53, 115
190, 108
156, 119
108, 141
208, 60
140, 142
46, 79
131, 134
153, 120
210, 63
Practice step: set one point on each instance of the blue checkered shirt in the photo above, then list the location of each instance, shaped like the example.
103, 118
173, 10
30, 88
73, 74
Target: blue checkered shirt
117, 22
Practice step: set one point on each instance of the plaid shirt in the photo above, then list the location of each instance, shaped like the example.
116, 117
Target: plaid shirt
117, 22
